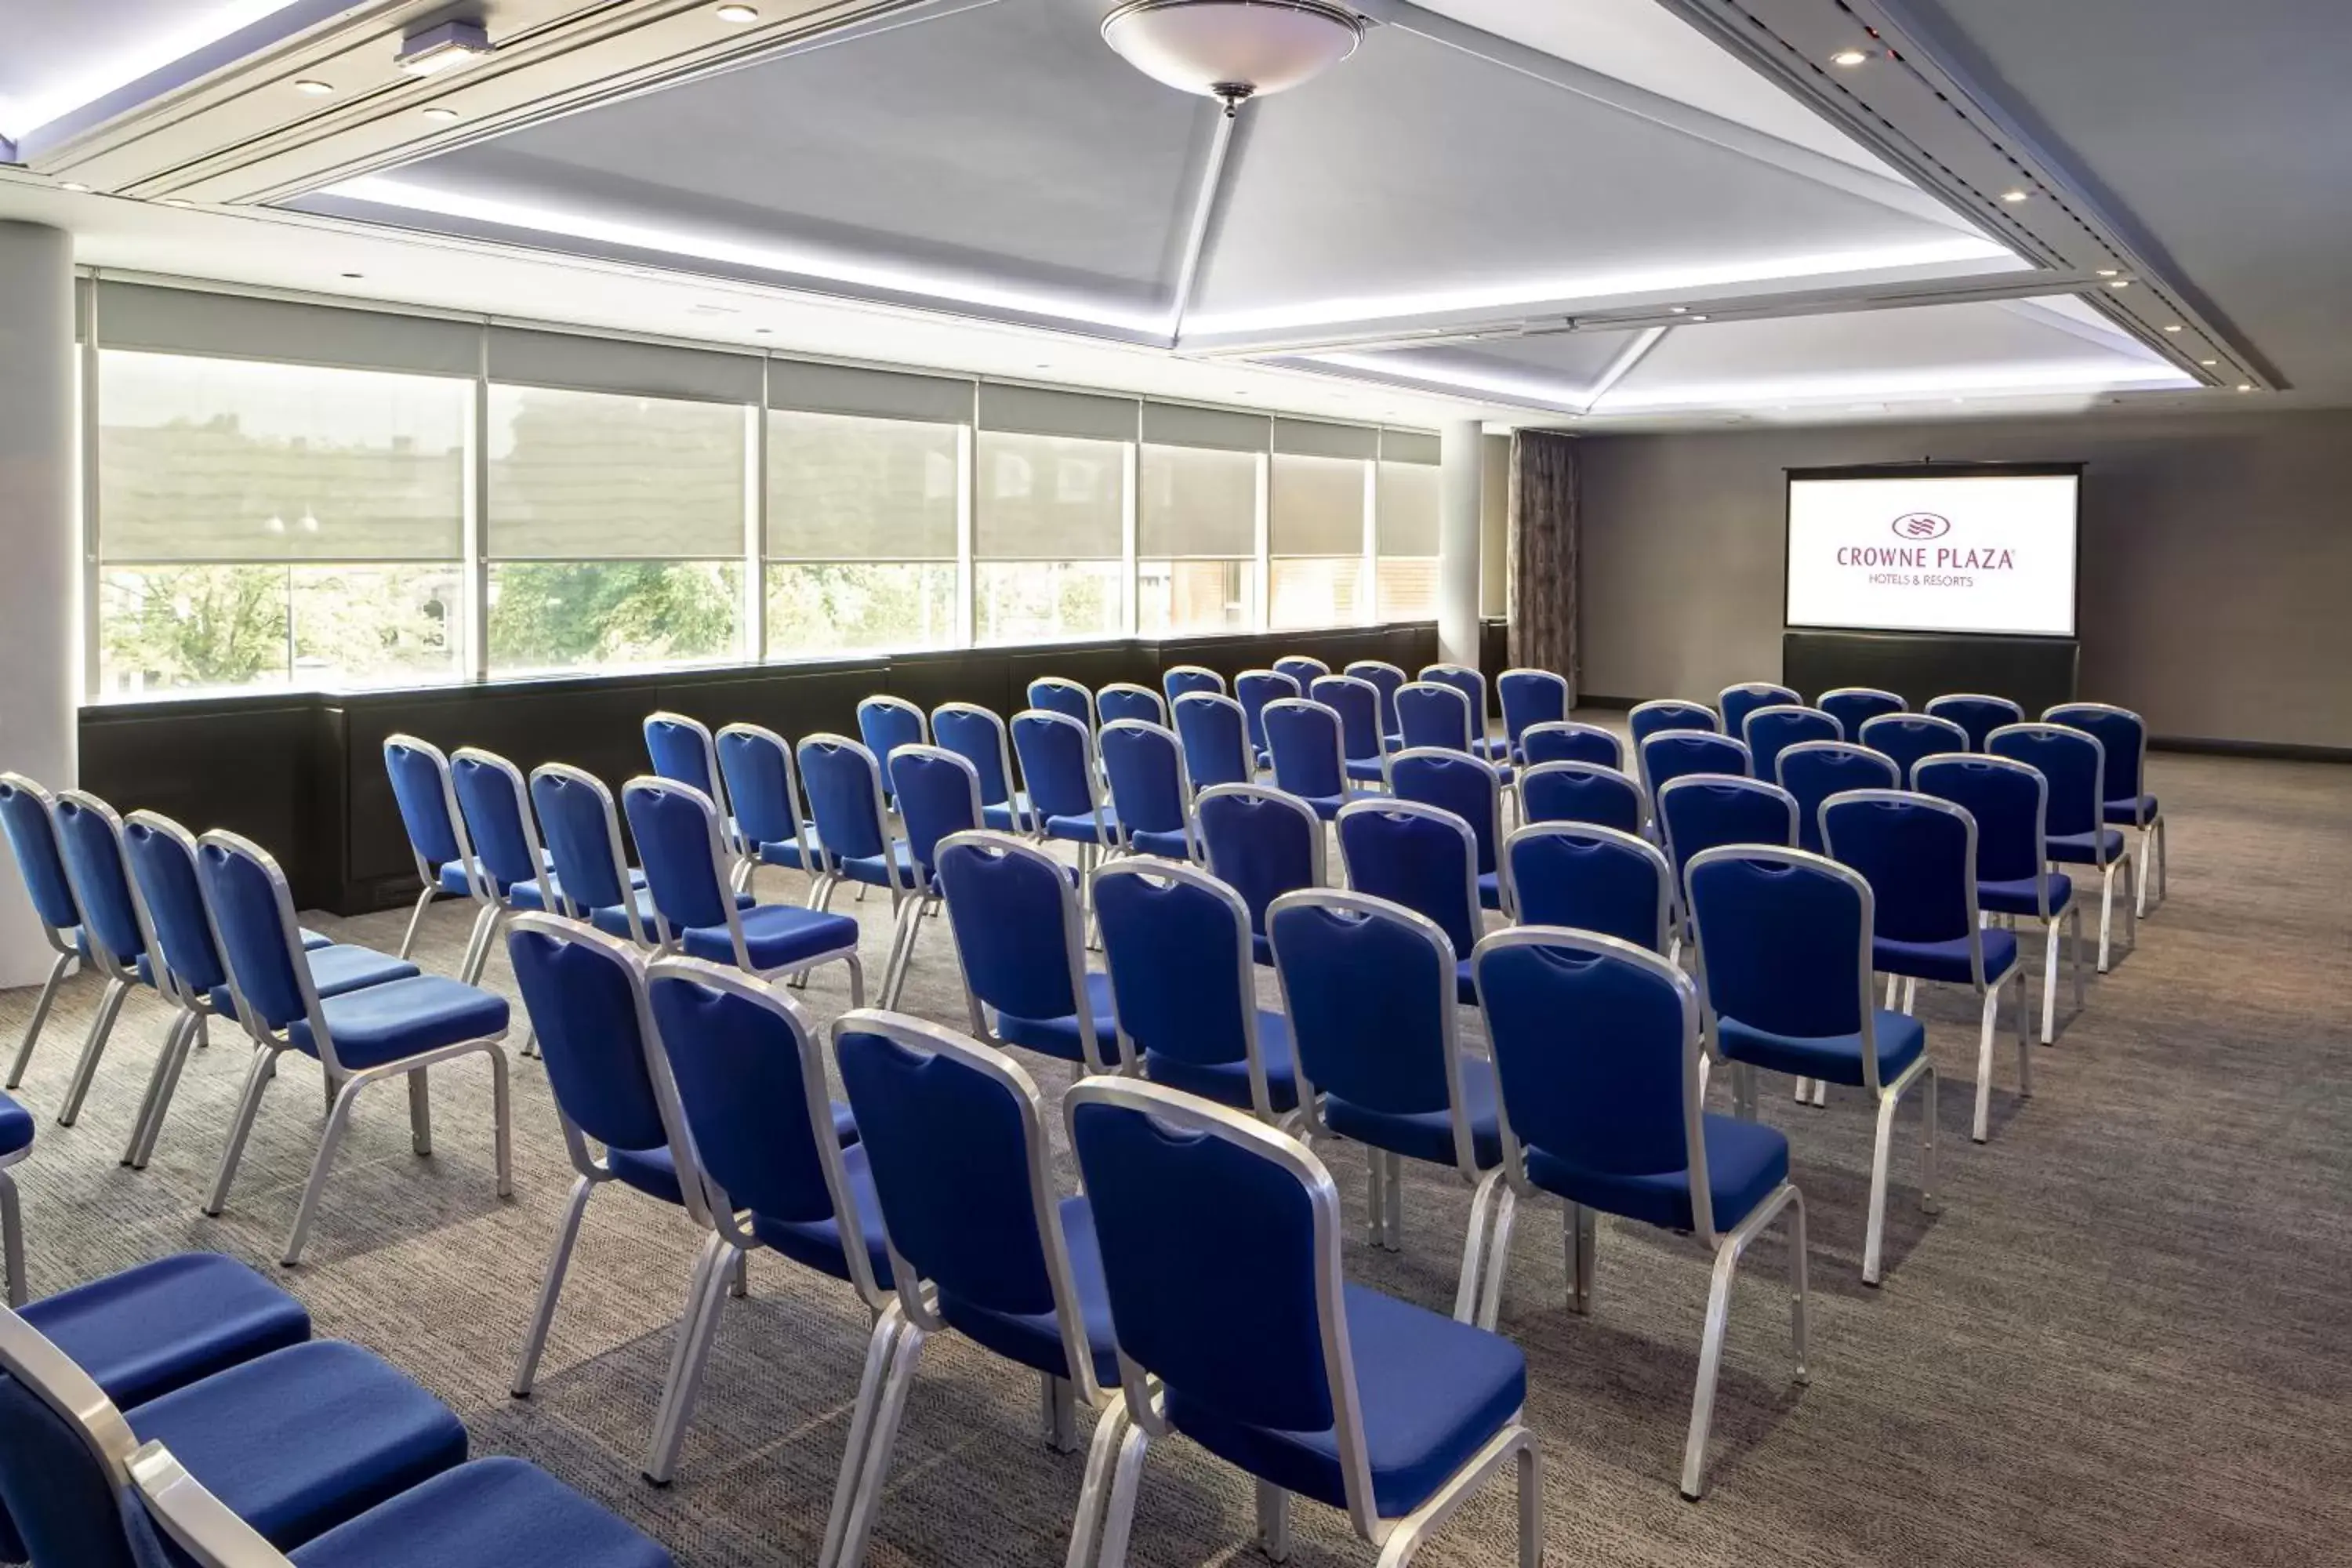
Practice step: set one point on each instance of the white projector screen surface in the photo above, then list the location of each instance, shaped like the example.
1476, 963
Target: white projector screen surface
1982, 552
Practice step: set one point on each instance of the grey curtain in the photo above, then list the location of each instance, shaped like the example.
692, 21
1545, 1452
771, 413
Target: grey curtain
1545, 523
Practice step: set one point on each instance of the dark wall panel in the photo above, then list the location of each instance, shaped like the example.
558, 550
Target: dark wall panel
247, 766
2036, 673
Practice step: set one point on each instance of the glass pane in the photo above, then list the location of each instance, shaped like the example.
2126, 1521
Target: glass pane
1039, 601
827, 608
1049, 497
375, 625
1193, 596
1408, 514
575, 475
1316, 592
213, 459
1194, 502
1317, 505
1408, 588
191, 628
572, 614
854, 489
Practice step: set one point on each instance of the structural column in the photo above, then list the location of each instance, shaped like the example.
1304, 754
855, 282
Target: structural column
40, 542
1461, 459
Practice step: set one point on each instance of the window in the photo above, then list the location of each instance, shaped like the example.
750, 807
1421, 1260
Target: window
1196, 541
616, 530
1315, 540
861, 533
1046, 543
271, 525
1405, 570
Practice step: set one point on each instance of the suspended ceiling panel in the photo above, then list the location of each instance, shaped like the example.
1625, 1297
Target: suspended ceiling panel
76, 50
1553, 372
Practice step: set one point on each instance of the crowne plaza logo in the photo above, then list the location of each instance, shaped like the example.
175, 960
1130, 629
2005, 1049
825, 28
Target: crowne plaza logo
1918, 551
1920, 525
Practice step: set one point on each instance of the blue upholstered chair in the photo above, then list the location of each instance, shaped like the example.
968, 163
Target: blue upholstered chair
1855, 706
1471, 684
1236, 1327
1734, 703
1677, 754
510, 869
1261, 843
1565, 741
750, 1075
1434, 714
1784, 954
678, 833
1919, 855
1070, 699
981, 1240
2123, 748
1305, 670
1596, 1044
1581, 792
1905, 738
28, 816
1529, 698
1813, 771
1471, 788
681, 749
1697, 811
1214, 734
886, 723
1590, 878
428, 814
1424, 858
844, 781
1179, 681
113, 939
1661, 714
2075, 824
1385, 679
15, 1143
1253, 688
400, 1028
1150, 799
938, 795
1309, 759
978, 735
1126, 699
1363, 747
1057, 764
1769, 731
2008, 802
1176, 944
1021, 947
593, 881
1976, 714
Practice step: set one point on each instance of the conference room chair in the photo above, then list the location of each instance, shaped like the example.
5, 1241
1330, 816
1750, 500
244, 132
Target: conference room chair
1529, 698
1918, 854
978, 735
15, 1143
1385, 679
1306, 669
1590, 878
1697, 812
2075, 831
1603, 1105
1126, 699
1179, 681
683, 750
844, 781
981, 1240
28, 816
1769, 731
885, 724
1363, 748
1236, 1327
1434, 714
1471, 684
2008, 802
1150, 799
1784, 974
763, 784
678, 838
1214, 734
593, 881
1057, 764
748, 1073
1253, 688
1424, 858
112, 942
188, 970
1184, 987
1976, 714
1905, 738
1567, 741
2123, 747
1309, 758
1661, 714
1677, 754
1020, 948
938, 795
1070, 699
1855, 706
1472, 789
1581, 792
400, 1028
1261, 843
510, 871
1734, 703
428, 814
1813, 771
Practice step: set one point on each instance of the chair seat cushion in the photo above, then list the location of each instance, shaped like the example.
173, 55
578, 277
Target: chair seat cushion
452, 874
1326, 806
335, 969
653, 1172
775, 936
1366, 770
2023, 896
157, 1326
312, 940
1035, 1339
1746, 1161
2130, 810
1170, 845
2086, 848
1835, 1058
817, 1242
16, 1126
1059, 1036
1490, 889
1432, 1393
403, 1018
613, 919
1944, 960
1427, 1134
804, 856
875, 870
498, 1510
1078, 827
298, 1441
1228, 1083
1007, 815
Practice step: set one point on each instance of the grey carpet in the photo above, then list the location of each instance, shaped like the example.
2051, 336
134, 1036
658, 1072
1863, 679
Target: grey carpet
2122, 1342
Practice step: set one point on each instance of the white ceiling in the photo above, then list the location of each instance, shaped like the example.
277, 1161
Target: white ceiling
62, 54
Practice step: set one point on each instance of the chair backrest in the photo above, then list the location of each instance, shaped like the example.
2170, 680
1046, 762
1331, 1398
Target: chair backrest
1905, 738
680, 844
1736, 702
583, 839
1385, 679
886, 723
1126, 699
1358, 704
253, 919
1855, 706
1581, 792
1471, 683
939, 793
1058, 694
978, 735
65, 1451
763, 783
1019, 938
1303, 669
1261, 843
1590, 878
496, 805
2123, 745
1253, 688
1433, 713
2076, 765
1176, 941
680, 748
1567, 741
1975, 713
429, 805
1530, 697
1144, 763
2006, 800
1423, 856
1664, 713
1769, 731
1596, 1048
1813, 771
1057, 764
954, 1133
1304, 741
28, 816
1677, 754
1470, 787
1918, 853
1699, 811
1180, 680
1783, 939
162, 857
91, 837
844, 796
1215, 736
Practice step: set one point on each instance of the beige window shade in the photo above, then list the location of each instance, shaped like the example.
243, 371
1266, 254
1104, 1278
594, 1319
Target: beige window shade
591, 475
1194, 502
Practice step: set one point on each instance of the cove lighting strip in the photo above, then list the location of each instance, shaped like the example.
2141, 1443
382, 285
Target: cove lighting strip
142, 53
1945, 381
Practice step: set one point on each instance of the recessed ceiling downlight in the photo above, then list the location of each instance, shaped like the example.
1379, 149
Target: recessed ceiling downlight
1232, 50
1850, 57
311, 87
739, 15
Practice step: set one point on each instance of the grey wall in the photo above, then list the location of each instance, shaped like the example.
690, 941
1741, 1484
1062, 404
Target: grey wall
2217, 560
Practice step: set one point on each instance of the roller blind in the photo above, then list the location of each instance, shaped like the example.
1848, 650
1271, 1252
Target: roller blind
1408, 447
1313, 439
1317, 505
1182, 425
578, 363
846, 488
1048, 498
1406, 523
872, 394
1194, 500
590, 475
1036, 411
236, 326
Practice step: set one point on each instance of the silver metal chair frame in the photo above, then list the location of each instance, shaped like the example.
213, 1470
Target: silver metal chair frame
820, 892
734, 838
908, 912
121, 974
1714, 720
1094, 718
2149, 852
1782, 697
2015, 706
194, 1007
1497, 790
495, 906
562, 904
12, 1230
198, 1523
1106, 842
2107, 867
1552, 676
74, 1397
427, 872
1222, 687
1125, 830
1338, 743
817, 860
2069, 910
1632, 841
1650, 790
1241, 722
1159, 700
65, 951
1380, 736
1573, 727
988, 841
1025, 819
1261, 1094
1902, 704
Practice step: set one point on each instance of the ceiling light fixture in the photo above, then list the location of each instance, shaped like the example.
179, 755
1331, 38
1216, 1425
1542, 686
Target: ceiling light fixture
2208, 363
71, 185
439, 111
2245, 387
355, 274
2012, 196
1232, 50
1850, 57
312, 86
1698, 318
2106, 271
2120, 283
1678, 310
2172, 326
452, 46
177, 202
739, 15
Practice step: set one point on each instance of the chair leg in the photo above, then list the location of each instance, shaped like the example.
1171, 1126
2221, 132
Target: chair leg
1498, 1260
1821, 1091
879, 1351
1875, 1232
1103, 1459
2050, 981
1119, 1513
420, 1111
12, 1241
1376, 1203
2107, 912
338, 1122
1989, 1025
256, 1079
558, 1263
1800, 1284
477, 945
101, 1028
1910, 993
2074, 951
2131, 914
1393, 1227
739, 1281
2163, 858
696, 1331
1273, 1522
41, 1016
902, 949
160, 1083
1710, 1362
1490, 1205
1057, 1405
415, 922
1579, 1229
857, 980
890, 1412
